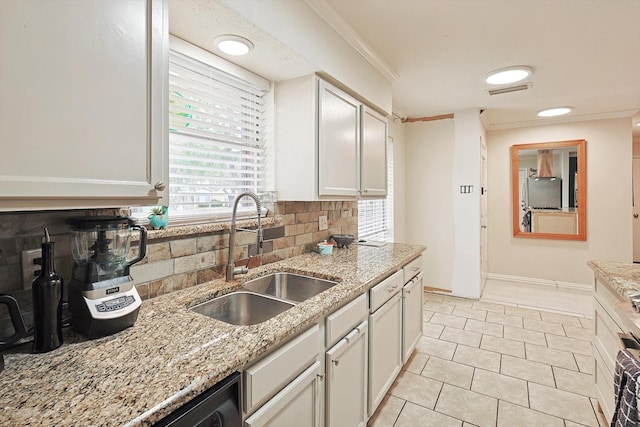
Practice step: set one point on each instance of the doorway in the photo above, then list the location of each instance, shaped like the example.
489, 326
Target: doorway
636, 209
483, 215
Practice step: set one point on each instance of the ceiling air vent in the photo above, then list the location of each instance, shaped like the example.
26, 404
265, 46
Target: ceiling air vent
507, 89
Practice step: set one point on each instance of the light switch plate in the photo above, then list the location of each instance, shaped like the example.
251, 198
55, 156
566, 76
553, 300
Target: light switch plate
322, 222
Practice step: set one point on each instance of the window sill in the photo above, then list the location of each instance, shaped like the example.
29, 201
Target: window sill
209, 227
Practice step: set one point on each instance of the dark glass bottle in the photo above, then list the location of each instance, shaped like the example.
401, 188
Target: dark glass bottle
47, 303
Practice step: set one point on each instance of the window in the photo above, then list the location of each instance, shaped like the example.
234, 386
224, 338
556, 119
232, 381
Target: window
217, 133
375, 217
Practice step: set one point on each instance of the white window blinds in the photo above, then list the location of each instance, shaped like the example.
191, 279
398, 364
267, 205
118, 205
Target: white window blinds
216, 138
375, 217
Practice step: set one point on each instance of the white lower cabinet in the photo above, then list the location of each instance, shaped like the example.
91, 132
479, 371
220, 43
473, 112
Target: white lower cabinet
385, 349
346, 380
412, 297
298, 404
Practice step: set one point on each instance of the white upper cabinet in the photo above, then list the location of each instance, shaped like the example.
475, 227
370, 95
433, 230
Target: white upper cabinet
83, 106
329, 146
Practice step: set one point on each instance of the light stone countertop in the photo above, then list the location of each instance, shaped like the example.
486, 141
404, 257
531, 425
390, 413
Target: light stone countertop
623, 278
172, 354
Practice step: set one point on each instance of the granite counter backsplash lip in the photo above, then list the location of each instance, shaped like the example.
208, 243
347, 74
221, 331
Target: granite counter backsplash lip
623, 278
172, 354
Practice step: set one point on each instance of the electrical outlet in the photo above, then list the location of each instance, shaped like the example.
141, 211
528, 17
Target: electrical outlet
29, 266
322, 222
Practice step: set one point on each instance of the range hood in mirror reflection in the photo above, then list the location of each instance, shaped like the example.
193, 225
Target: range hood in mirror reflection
544, 193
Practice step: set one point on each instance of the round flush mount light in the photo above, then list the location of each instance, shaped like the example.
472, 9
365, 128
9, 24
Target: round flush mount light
554, 112
508, 75
233, 45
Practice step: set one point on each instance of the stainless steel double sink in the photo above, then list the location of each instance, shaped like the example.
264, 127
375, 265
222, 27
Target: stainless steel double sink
260, 299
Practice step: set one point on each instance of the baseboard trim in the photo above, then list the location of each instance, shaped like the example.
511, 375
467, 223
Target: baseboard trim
541, 282
431, 289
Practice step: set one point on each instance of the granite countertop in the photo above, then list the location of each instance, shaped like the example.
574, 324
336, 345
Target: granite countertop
172, 354
623, 278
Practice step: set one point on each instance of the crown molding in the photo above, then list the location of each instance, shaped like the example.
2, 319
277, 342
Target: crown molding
558, 120
335, 21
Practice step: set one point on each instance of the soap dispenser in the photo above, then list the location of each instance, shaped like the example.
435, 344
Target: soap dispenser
47, 302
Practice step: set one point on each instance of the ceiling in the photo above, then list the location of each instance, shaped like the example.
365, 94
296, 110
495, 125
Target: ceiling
585, 53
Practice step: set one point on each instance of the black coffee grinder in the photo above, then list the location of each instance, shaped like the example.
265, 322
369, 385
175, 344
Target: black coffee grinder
102, 297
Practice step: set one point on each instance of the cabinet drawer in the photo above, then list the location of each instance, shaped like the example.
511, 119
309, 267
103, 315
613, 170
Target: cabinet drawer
411, 269
344, 320
381, 293
608, 298
269, 375
604, 386
606, 338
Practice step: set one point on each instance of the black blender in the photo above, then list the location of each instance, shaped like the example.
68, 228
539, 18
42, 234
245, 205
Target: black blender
102, 297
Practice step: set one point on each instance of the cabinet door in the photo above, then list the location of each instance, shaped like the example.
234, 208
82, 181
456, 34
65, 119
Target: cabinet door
412, 296
373, 155
338, 142
346, 380
385, 349
82, 112
298, 404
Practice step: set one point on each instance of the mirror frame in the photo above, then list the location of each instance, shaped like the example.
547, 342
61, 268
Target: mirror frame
581, 146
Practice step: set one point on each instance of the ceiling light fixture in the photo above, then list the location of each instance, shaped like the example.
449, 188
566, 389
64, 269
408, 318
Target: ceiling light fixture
553, 112
508, 75
233, 45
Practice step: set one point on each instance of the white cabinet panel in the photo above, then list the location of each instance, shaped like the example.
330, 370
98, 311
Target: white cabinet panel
373, 154
346, 380
82, 112
412, 296
385, 349
298, 404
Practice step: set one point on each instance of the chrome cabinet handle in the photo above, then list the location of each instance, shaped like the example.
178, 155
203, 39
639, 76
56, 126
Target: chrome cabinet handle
160, 186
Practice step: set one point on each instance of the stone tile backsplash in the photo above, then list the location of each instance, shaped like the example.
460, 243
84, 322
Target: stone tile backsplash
176, 258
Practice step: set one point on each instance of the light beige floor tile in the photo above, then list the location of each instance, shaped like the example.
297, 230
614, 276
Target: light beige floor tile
416, 362
522, 312
525, 335
502, 345
470, 313
574, 382
459, 336
426, 315
414, 415
585, 363
551, 356
434, 347
504, 319
416, 388
578, 333
431, 297
432, 330
448, 320
484, 327
568, 423
460, 302
479, 358
387, 413
487, 306
542, 326
468, 425
510, 415
527, 370
561, 318
587, 323
467, 406
561, 403
501, 387
438, 307
448, 372
570, 344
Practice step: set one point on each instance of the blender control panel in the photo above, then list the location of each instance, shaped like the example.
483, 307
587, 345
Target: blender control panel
115, 304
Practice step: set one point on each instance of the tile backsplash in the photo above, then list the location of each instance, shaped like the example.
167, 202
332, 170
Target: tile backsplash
176, 258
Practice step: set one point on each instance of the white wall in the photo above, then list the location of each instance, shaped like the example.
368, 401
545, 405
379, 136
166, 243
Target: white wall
396, 131
440, 157
609, 197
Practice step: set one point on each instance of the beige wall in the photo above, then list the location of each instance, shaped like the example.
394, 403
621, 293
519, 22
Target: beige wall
609, 198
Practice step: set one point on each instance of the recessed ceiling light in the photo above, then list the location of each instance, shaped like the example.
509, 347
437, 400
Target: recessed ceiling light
233, 45
553, 112
508, 75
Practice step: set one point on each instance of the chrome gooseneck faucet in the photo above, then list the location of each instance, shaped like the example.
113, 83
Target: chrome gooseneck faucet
231, 269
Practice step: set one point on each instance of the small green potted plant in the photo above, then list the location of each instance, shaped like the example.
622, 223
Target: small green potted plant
159, 217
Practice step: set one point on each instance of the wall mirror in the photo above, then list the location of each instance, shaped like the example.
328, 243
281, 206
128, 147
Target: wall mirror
549, 185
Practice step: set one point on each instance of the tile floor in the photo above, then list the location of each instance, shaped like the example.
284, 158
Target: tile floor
484, 363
